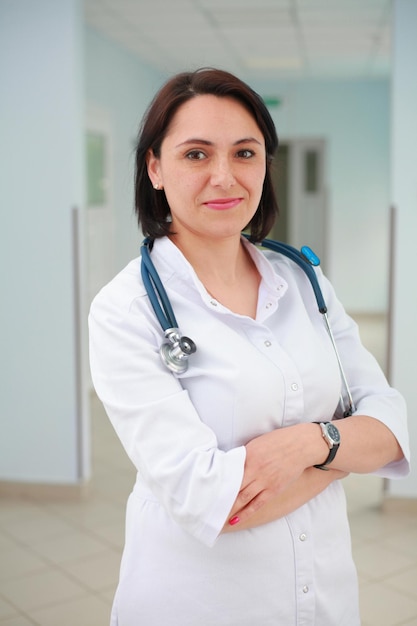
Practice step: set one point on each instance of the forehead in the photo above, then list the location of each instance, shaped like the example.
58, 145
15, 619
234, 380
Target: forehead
210, 115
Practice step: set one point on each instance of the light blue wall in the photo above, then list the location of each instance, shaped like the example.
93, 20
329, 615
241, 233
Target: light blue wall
404, 196
41, 111
120, 85
353, 117
51, 67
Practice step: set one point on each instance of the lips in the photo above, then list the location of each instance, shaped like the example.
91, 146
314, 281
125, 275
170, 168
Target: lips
222, 204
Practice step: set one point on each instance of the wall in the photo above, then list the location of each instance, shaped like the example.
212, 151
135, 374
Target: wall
45, 92
353, 117
404, 196
42, 180
121, 86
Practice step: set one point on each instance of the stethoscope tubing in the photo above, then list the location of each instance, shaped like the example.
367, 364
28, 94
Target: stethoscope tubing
303, 261
161, 305
350, 408
306, 259
155, 289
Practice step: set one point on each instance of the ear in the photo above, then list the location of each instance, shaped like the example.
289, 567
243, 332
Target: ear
154, 170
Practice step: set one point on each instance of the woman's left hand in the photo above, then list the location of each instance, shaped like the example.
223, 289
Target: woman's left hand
275, 460
307, 486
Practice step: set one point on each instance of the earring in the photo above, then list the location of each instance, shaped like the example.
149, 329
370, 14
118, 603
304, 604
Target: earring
156, 186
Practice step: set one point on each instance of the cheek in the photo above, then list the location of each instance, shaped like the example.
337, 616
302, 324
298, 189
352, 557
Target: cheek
256, 184
183, 185
181, 197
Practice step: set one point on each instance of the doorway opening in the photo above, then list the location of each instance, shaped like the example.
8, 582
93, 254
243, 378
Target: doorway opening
298, 176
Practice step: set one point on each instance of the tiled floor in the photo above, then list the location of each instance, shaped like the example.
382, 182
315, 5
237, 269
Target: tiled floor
59, 560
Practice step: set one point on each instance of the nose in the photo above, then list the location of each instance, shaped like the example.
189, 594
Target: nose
222, 173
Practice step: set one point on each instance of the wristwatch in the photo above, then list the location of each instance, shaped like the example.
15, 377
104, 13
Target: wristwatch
332, 437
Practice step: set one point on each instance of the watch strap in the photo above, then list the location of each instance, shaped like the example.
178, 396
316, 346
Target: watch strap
331, 455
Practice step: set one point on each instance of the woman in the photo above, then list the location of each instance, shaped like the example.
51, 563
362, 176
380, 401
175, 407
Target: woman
231, 520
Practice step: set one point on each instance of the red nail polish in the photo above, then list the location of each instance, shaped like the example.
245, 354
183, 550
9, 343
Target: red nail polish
234, 520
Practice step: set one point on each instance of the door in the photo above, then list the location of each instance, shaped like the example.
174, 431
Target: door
308, 215
299, 175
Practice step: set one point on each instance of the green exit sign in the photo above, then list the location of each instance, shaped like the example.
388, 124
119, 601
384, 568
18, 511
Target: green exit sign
272, 101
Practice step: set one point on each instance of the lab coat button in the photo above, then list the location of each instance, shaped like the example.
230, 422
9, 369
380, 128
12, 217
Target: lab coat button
294, 386
305, 589
267, 343
303, 537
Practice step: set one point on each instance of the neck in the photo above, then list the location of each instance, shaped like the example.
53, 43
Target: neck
223, 261
226, 270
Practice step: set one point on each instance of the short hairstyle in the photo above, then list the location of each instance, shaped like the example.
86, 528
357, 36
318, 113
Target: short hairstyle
151, 206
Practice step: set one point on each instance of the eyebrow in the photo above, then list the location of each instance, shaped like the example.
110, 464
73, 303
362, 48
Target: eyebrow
205, 142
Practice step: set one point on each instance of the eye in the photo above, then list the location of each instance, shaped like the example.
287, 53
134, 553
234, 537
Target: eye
195, 155
245, 154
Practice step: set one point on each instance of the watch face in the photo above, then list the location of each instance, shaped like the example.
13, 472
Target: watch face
333, 433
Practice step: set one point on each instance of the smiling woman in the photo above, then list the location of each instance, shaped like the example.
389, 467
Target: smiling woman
214, 146
231, 520
159, 121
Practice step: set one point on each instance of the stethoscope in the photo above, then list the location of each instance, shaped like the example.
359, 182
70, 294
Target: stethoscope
177, 349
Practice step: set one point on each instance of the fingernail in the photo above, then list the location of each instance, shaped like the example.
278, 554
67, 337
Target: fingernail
234, 520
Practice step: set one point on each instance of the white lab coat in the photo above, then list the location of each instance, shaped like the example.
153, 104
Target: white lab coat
186, 436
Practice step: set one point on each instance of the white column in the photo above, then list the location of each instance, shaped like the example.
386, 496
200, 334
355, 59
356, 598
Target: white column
41, 167
404, 197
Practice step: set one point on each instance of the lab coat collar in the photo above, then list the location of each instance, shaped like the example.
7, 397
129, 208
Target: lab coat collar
172, 266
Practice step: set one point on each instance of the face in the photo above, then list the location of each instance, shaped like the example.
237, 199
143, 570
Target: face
211, 166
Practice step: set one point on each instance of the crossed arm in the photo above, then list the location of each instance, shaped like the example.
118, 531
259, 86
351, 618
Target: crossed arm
280, 475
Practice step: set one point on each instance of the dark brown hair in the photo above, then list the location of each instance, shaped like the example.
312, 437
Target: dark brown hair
151, 206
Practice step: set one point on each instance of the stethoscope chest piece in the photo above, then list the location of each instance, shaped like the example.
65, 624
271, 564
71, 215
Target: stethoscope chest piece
176, 349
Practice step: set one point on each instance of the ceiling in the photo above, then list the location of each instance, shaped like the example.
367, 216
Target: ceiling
265, 39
